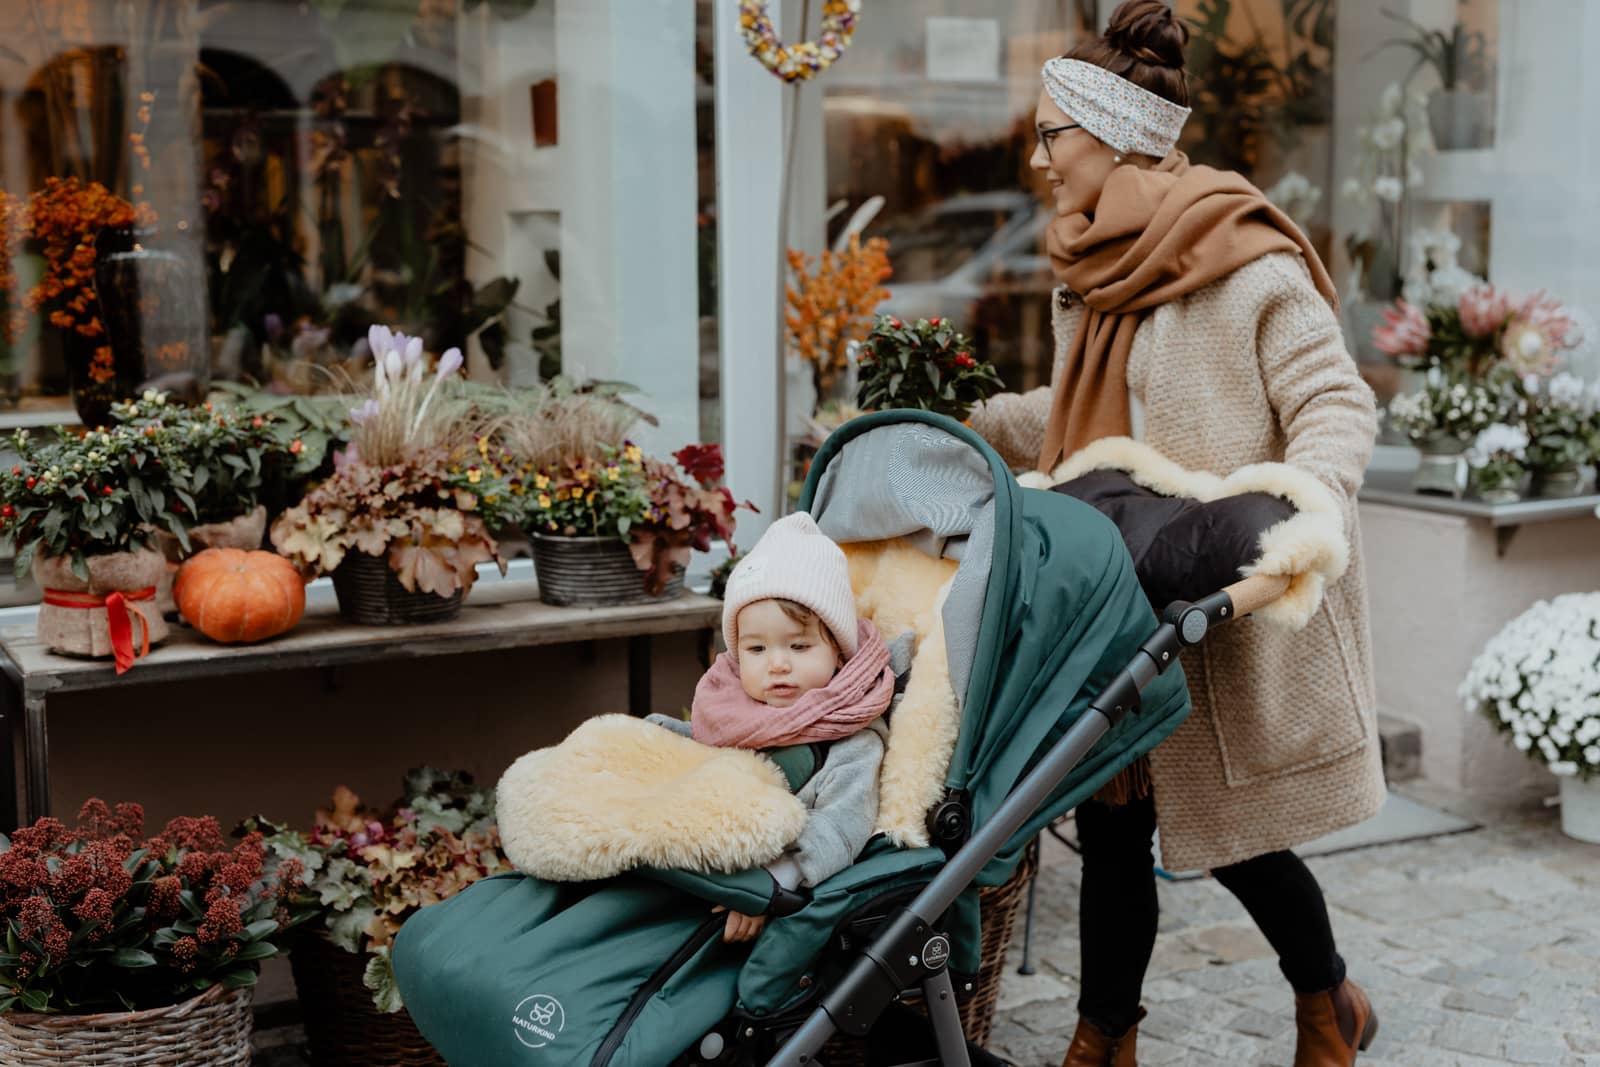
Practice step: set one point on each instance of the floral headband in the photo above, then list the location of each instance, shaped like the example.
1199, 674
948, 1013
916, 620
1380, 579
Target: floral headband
1125, 116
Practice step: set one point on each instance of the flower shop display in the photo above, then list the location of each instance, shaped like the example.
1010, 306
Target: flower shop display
371, 871
1460, 113
127, 949
805, 60
925, 364
1538, 682
619, 527
1482, 358
238, 597
82, 512
400, 524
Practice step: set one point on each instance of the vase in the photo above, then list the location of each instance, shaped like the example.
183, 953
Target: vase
111, 614
1580, 808
370, 593
1439, 467
1459, 118
1562, 482
593, 572
212, 1028
95, 379
153, 305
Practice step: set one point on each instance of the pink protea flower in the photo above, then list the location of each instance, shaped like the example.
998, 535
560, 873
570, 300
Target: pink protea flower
1404, 332
1534, 334
1484, 309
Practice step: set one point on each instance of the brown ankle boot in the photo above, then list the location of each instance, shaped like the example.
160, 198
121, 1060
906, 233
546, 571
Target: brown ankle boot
1331, 1026
1093, 1047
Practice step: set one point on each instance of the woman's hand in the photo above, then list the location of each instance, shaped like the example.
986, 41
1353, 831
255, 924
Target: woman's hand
741, 927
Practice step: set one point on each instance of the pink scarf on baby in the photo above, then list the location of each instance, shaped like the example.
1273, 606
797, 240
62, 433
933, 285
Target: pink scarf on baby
726, 716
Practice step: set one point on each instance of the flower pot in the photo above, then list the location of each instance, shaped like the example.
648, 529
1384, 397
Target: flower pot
1580, 808
1439, 467
212, 1028
592, 572
1567, 481
244, 532
369, 593
1459, 118
1501, 490
343, 1027
94, 378
82, 619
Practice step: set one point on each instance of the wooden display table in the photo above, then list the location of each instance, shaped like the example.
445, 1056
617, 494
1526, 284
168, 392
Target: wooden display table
500, 614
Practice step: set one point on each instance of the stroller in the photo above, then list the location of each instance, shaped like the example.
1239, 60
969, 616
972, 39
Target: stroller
1065, 677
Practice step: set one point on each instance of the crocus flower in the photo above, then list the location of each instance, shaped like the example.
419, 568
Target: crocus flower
360, 415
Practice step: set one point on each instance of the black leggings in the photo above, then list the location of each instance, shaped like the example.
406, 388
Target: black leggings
1118, 912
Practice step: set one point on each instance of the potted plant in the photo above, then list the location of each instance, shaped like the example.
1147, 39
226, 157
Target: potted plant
1459, 110
127, 949
82, 511
229, 455
926, 364
1561, 417
400, 524
830, 305
370, 871
1441, 418
1498, 461
618, 527
1538, 682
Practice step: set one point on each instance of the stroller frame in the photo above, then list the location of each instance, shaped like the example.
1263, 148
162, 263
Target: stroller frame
908, 953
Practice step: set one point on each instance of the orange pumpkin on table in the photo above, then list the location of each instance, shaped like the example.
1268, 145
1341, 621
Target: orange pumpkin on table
233, 596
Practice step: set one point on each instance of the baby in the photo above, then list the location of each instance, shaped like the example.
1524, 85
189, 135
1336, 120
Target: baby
800, 668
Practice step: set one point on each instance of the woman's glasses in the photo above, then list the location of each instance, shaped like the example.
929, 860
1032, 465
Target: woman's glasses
1047, 134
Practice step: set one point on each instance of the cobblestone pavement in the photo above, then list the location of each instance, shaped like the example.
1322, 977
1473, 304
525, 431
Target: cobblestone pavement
1477, 948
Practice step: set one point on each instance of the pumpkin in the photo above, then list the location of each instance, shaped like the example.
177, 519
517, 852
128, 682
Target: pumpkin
233, 596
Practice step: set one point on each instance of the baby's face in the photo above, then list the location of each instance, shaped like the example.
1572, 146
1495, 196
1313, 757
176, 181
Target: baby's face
781, 660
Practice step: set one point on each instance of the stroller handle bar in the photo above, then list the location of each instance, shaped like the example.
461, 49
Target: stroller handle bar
899, 957
1256, 592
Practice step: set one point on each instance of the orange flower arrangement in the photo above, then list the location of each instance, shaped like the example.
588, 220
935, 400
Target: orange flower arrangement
66, 217
13, 318
834, 306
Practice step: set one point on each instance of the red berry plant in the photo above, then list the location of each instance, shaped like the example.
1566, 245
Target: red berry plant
923, 364
100, 918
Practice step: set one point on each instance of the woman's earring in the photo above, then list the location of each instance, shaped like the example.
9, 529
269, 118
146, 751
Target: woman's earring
1116, 159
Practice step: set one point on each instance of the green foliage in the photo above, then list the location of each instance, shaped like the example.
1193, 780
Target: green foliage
1460, 58
926, 364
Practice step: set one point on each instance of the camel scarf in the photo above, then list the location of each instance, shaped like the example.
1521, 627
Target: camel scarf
724, 715
1154, 235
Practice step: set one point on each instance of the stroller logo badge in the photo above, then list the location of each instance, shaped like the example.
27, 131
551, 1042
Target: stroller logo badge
936, 953
538, 1020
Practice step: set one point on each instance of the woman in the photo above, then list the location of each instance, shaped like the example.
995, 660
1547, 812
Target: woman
1196, 315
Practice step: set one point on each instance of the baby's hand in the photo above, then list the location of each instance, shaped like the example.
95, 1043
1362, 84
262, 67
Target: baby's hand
741, 927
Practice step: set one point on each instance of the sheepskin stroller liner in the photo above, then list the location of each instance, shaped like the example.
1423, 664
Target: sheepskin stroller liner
1043, 615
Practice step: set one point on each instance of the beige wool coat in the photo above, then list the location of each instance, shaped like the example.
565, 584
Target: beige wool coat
1282, 745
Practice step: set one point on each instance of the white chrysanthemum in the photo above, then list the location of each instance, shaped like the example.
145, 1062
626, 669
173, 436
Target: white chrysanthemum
1538, 680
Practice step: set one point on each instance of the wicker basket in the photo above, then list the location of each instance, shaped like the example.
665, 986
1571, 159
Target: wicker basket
592, 572
343, 1028
370, 594
212, 1028
997, 911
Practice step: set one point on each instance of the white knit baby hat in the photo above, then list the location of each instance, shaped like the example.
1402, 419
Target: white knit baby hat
794, 561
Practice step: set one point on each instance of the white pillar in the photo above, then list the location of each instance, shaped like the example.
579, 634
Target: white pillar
627, 172
750, 144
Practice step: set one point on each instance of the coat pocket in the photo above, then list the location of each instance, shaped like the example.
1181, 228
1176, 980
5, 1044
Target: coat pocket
1282, 703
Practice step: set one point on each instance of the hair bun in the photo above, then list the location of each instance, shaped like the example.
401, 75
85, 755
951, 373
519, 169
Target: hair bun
1148, 32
